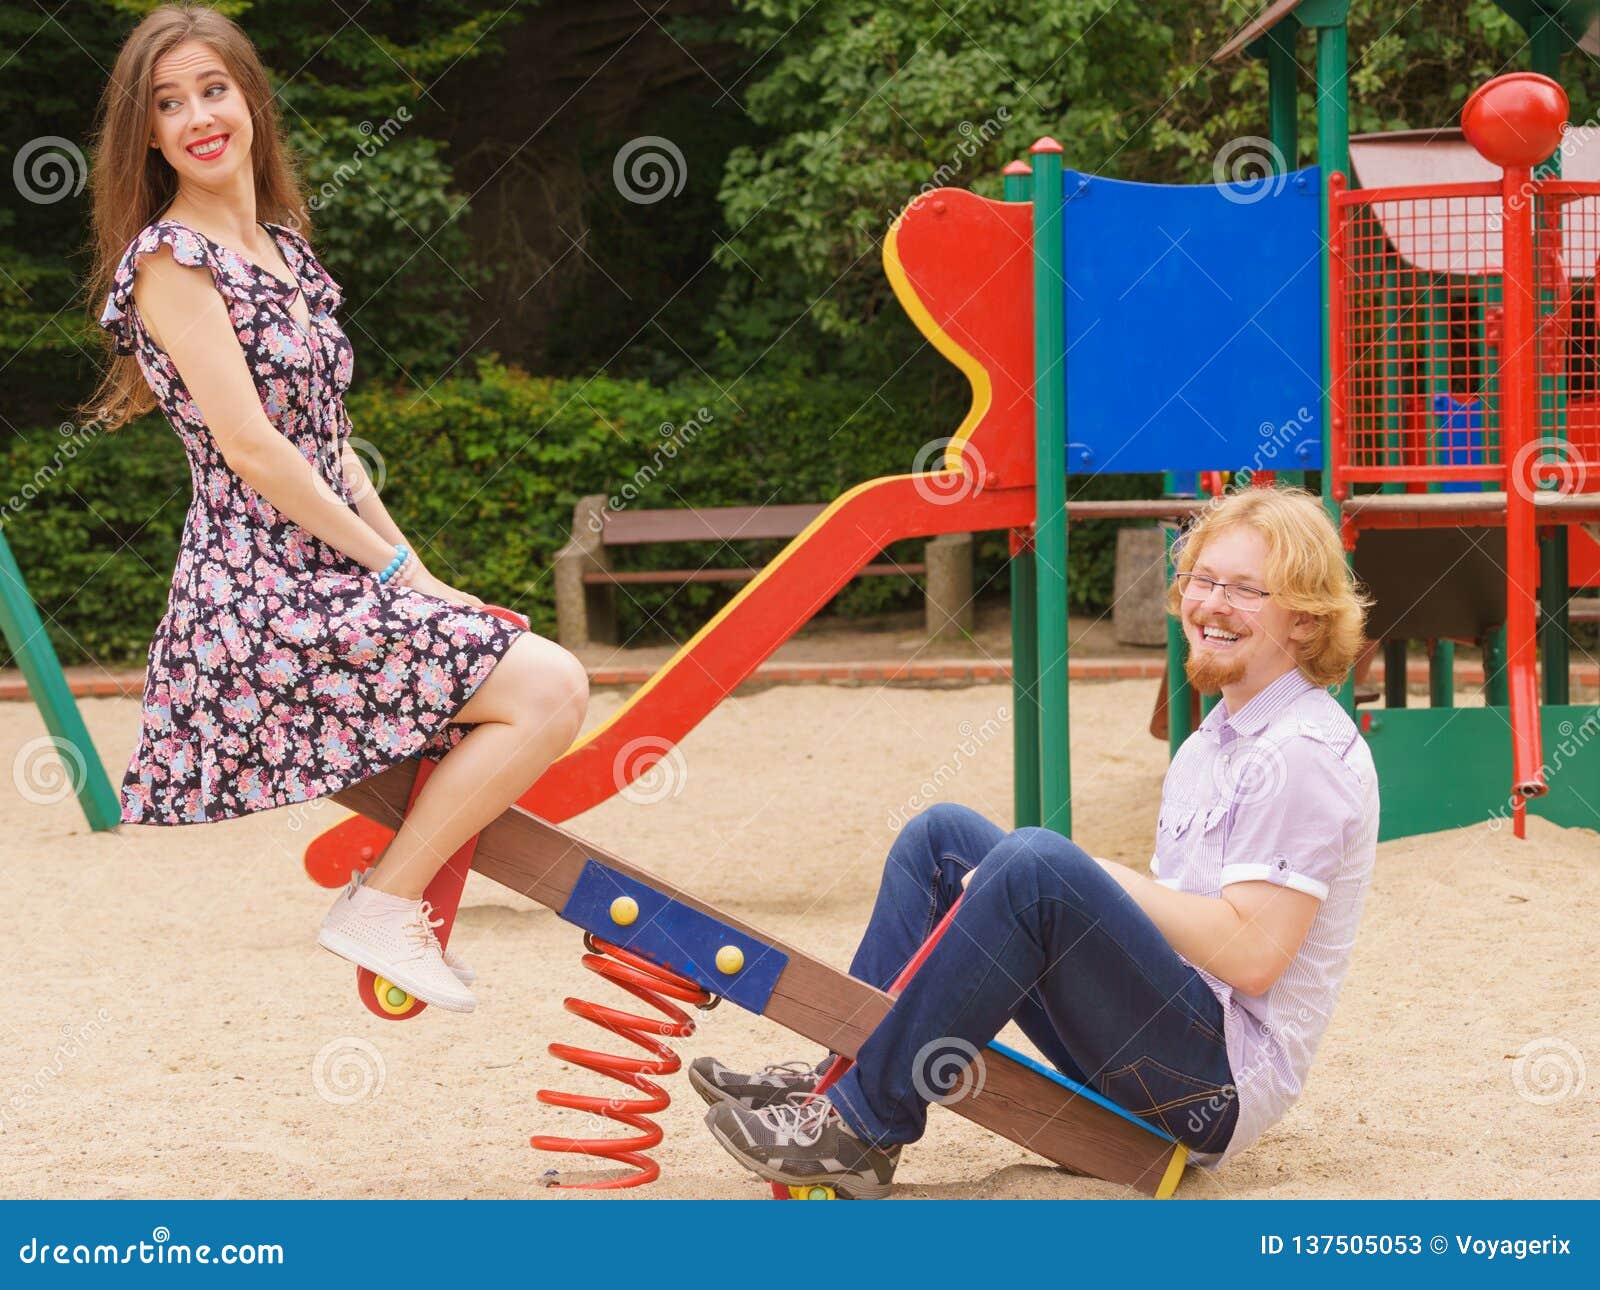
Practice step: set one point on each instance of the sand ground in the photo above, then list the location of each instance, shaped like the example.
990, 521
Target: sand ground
170, 1029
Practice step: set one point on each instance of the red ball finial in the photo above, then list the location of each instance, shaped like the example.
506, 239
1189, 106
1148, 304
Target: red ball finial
1515, 120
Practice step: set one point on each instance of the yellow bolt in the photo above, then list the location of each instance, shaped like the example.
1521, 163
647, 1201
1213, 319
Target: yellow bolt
624, 909
730, 958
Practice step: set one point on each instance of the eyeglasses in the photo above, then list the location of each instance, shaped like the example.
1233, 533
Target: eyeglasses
1243, 597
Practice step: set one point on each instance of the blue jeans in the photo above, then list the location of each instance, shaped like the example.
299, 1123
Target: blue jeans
1046, 937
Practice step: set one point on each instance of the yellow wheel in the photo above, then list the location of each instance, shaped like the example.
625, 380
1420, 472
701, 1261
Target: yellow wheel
384, 999
815, 1191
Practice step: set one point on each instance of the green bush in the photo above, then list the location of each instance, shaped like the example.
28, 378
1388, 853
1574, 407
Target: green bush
482, 473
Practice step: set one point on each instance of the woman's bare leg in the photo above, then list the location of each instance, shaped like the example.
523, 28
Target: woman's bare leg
527, 714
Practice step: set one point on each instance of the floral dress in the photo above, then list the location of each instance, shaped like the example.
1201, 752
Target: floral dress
281, 671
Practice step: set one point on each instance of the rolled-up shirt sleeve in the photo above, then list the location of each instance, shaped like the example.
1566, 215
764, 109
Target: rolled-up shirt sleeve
1290, 819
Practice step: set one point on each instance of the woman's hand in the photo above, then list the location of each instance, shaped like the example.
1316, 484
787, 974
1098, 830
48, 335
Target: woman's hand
429, 585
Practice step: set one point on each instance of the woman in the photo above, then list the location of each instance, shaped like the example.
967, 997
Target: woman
305, 646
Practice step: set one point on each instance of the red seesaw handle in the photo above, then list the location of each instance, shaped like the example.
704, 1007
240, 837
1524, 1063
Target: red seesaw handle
840, 1065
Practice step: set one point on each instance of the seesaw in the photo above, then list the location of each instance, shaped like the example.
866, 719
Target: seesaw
656, 940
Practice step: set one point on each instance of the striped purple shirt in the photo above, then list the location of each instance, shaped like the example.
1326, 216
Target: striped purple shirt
1284, 792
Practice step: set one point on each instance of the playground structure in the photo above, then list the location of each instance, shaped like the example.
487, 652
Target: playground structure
1056, 390
24, 633
1406, 319
1393, 338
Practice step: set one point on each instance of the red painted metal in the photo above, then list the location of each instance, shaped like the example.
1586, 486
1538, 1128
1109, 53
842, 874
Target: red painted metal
1515, 121
1338, 360
656, 986
1450, 303
1519, 414
840, 1065
443, 897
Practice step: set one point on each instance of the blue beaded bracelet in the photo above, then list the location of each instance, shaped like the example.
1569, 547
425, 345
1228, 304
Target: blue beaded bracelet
400, 554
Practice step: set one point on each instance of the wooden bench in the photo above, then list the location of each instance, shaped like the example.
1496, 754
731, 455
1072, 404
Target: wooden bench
586, 582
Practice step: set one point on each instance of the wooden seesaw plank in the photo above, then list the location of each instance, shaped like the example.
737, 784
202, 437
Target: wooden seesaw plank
541, 861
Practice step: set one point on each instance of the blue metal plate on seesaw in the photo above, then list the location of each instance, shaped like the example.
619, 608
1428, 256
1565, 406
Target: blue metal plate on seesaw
679, 938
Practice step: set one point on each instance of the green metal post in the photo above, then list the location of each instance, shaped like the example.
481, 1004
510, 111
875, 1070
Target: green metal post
1496, 685
1283, 124
1394, 673
1442, 674
41, 669
1179, 727
1548, 42
1024, 628
1050, 451
1333, 153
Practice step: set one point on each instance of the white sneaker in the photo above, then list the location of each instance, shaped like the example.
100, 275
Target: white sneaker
459, 966
394, 939
452, 960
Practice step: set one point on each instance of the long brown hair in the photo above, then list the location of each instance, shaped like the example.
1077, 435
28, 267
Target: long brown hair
133, 183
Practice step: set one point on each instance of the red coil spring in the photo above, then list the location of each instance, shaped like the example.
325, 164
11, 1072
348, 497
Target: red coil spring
648, 982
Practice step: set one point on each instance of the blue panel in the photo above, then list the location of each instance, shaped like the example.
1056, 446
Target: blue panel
675, 936
1082, 1090
1459, 438
1193, 325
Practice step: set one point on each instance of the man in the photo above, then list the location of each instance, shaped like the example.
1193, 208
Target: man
1194, 998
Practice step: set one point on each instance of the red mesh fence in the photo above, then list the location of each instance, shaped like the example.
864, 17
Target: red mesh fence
1420, 331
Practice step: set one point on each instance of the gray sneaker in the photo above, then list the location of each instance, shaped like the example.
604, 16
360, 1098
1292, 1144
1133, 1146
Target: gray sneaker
716, 1083
804, 1142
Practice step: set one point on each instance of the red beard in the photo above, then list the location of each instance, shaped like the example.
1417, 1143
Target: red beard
1210, 672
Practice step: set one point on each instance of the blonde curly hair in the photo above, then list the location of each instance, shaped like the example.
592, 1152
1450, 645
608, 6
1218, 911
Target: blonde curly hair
1306, 572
